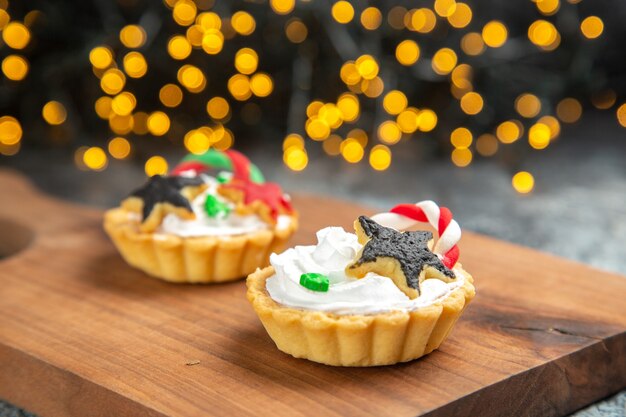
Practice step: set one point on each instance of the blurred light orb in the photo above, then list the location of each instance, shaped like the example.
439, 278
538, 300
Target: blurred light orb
495, 34
112, 81
395, 102
422, 20
461, 157
317, 129
16, 35
293, 139
553, 124
179, 47
359, 135
472, 103
592, 27
101, 57
192, 78
349, 73
95, 159
426, 120
246, 61
548, 7
445, 8
313, 108
54, 113
133, 36
380, 157
212, 41
461, 137
282, 6
396, 16
523, 182
621, 114
4, 18
407, 52
135, 65
444, 61
239, 87
389, 132
342, 11
407, 120
170, 95
296, 31
195, 36
119, 148
184, 12
121, 125
349, 106
10, 130
487, 145
218, 108
331, 114
332, 145
158, 123
140, 123
604, 100
15, 67
243, 23
569, 110
156, 165
527, 105
123, 103
209, 20
295, 158
461, 17
371, 18
352, 151
367, 67
472, 44
542, 33
197, 141
103, 107
539, 136
508, 131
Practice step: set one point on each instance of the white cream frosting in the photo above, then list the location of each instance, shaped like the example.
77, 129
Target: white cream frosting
203, 225
372, 294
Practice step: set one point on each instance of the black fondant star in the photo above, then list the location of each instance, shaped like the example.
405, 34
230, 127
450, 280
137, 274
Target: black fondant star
160, 189
410, 249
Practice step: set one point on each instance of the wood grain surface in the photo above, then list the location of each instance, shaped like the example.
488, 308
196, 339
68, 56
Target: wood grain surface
83, 334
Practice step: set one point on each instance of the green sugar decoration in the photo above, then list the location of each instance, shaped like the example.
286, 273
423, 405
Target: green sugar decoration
215, 208
314, 281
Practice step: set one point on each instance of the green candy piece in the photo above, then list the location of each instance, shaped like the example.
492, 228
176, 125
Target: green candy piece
219, 160
223, 177
314, 281
214, 207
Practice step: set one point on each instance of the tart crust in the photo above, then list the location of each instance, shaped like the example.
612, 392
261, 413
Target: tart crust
193, 259
357, 340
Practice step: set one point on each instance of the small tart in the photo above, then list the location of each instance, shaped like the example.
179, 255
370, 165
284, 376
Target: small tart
357, 339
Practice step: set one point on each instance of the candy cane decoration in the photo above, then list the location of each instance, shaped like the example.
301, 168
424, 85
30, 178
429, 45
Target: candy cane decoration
404, 216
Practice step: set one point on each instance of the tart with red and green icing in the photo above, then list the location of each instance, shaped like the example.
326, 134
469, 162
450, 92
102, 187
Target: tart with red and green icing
379, 296
214, 218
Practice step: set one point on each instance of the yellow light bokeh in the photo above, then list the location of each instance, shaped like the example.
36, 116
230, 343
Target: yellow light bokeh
407, 120
121, 125
209, 20
472, 44
396, 16
218, 108
15, 67
422, 20
461, 137
192, 78
158, 123
472, 103
103, 107
313, 108
16, 35
461, 17
95, 158
569, 110
243, 23
407, 52
380, 157
317, 129
140, 123
184, 12
4, 18
342, 11
351, 150
10, 130
461, 157
349, 106
170, 95
523, 182
604, 100
539, 136
133, 36
592, 27
395, 102
445, 8
239, 87
528, 105
282, 6
156, 165
101, 57
296, 31
389, 132
195, 35
112, 81
553, 124
295, 158
547, 7
331, 114
246, 61
226, 141
487, 145
135, 65
124, 103
426, 120
212, 41
444, 61
495, 34
542, 33
119, 148
621, 114
332, 145
293, 139
350, 74
198, 141
367, 67
54, 113
179, 47
371, 18
509, 131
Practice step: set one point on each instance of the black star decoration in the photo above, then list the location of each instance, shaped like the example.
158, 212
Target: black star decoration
409, 249
160, 189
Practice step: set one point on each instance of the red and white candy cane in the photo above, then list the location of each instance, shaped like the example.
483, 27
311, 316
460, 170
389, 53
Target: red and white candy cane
404, 216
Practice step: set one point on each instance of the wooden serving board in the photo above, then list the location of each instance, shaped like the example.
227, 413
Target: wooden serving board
83, 334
